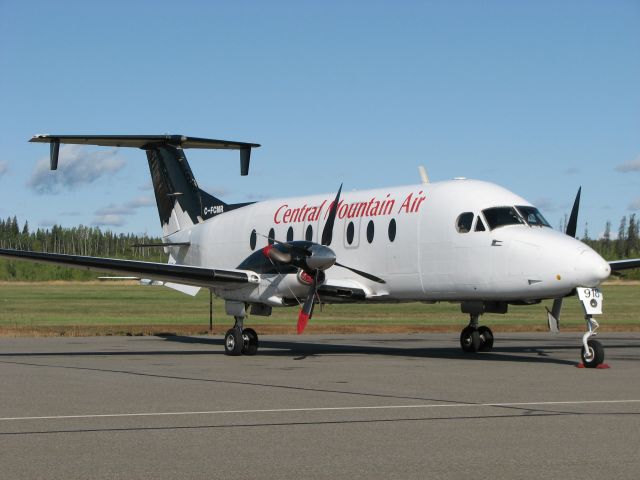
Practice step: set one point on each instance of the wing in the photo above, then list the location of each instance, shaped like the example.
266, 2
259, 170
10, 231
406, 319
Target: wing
619, 265
184, 274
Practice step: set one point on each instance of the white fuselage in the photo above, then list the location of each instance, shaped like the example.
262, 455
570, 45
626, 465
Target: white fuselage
428, 258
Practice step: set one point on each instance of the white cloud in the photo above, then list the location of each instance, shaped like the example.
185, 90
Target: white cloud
630, 166
142, 201
112, 215
127, 208
76, 167
635, 205
109, 220
114, 210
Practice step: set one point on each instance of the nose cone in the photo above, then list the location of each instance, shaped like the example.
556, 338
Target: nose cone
321, 258
591, 268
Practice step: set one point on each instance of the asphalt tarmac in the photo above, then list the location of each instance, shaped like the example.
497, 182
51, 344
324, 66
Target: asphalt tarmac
318, 406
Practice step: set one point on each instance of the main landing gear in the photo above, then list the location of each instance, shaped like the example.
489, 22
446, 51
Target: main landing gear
474, 338
239, 340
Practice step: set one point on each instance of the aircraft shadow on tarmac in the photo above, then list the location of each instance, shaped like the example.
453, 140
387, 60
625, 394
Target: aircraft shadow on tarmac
304, 349
300, 350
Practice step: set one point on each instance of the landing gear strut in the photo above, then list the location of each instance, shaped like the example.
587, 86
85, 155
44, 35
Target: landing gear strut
592, 351
239, 340
474, 338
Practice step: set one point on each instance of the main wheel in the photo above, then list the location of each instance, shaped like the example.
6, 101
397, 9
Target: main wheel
486, 338
233, 342
250, 343
594, 356
470, 339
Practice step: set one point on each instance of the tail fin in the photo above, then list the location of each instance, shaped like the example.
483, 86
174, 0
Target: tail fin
181, 203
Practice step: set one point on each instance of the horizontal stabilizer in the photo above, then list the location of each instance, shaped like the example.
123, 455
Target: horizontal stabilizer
140, 141
145, 142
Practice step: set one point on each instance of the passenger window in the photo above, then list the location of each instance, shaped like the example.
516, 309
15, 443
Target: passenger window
464, 222
272, 235
309, 234
392, 230
479, 225
350, 232
370, 231
290, 234
252, 239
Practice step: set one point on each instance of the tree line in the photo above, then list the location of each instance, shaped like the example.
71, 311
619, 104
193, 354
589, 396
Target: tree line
81, 240
93, 241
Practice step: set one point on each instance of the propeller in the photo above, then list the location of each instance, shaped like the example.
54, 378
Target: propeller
572, 225
306, 312
313, 259
307, 307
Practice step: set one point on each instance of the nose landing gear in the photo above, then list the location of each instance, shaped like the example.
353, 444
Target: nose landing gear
592, 352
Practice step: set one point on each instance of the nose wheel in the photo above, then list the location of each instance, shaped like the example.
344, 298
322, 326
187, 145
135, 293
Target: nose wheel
593, 354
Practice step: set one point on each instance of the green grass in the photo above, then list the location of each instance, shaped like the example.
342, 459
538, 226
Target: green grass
34, 306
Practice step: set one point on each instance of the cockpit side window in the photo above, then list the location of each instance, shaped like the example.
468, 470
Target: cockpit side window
479, 225
501, 216
533, 216
463, 224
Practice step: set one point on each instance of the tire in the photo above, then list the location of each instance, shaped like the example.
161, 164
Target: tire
486, 338
250, 343
595, 356
233, 342
470, 339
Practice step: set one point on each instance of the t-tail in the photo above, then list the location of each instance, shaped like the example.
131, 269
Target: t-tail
181, 203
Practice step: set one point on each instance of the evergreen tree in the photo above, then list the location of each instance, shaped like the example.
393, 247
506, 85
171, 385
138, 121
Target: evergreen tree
631, 242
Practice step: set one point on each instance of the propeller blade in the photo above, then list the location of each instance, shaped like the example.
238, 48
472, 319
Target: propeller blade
553, 315
307, 308
366, 275
572, 225
327, 233
275, 254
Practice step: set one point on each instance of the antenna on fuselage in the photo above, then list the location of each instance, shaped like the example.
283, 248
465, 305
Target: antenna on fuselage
423, 174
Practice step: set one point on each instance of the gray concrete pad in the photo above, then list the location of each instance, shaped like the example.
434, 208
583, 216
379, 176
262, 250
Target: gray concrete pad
318, 406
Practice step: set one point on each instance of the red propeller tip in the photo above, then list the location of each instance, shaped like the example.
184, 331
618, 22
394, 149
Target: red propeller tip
266, 250
303, 319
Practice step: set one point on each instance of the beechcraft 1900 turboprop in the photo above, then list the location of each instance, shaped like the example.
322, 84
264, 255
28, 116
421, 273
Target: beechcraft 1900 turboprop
462, 241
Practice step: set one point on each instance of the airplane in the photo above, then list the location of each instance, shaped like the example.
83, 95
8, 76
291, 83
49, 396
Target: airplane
465, 241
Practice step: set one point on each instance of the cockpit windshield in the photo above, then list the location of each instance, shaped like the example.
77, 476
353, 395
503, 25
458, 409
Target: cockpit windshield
501, 216
533, 217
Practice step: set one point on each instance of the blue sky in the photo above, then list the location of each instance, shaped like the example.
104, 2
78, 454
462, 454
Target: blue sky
540, 97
